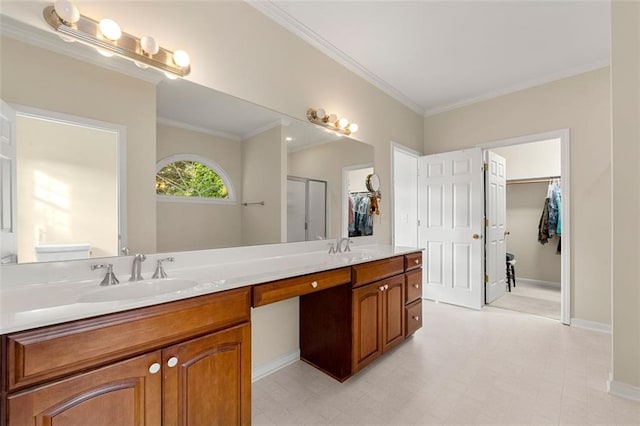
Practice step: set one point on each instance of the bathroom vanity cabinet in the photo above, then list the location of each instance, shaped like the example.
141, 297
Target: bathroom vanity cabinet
345, 328
184, 362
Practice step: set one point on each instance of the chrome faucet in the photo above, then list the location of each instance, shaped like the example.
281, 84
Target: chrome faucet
159, 272
136, 268
110, 278
346, 247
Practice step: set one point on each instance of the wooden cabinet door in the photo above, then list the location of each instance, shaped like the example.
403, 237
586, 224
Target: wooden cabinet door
367, 324
392, 311
207, 381
125, 393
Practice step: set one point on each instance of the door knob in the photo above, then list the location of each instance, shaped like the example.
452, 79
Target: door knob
476, 236
507, 233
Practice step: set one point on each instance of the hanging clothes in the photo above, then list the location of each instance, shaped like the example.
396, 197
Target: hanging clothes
362, 220
543, 225
550, 224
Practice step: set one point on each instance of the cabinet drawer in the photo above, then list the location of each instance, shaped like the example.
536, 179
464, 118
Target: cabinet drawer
377, 270
413, 260
413, 319
263, 294
49, 352
413, 282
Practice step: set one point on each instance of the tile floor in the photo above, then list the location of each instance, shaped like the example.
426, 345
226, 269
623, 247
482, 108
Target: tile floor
464, 367
533, 299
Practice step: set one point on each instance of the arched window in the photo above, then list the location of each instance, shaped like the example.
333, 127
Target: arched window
191, 178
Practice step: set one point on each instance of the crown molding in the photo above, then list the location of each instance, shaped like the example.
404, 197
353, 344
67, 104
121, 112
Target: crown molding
182, 125
275, 13
48, 40
277, 123
519, 87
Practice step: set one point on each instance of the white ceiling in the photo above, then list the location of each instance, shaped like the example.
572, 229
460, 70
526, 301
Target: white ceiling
438, 55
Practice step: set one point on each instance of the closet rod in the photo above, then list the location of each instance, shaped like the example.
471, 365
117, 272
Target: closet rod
532, 180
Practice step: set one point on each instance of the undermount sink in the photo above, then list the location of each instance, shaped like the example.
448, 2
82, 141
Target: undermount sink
137, 290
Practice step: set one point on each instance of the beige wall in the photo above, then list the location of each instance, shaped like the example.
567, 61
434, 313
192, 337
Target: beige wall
263, 179
531, 160
195, 226
582, 104
66, 175
37, 78
533, 260
325, 162
625, 91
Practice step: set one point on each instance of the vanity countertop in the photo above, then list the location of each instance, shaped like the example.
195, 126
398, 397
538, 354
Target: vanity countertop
32, 305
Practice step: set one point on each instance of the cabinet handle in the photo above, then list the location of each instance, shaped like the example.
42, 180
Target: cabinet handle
154, 368
386, 286
417, 318
314, 284
417, 261
172, 362
416, 285
381, 288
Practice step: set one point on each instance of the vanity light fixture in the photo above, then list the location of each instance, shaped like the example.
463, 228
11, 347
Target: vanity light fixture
331, 122
107, 37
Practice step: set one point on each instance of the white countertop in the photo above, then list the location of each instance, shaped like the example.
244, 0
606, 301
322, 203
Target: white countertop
25, 305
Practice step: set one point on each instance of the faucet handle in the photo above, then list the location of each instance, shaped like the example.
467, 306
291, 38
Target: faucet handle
332, 248
159, 272
109, 278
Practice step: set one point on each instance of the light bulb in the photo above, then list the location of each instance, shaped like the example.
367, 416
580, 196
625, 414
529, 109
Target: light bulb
288, 138
320, 113
170, 76
343, 123
353, 127
141, 65
104, 53
181, 58
149, 45
67, 11
110, 29
332, 118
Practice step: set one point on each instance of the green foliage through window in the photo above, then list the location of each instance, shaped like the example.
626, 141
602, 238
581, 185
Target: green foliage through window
190, 179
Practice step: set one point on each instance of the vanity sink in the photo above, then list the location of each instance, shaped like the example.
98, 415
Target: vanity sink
137, 290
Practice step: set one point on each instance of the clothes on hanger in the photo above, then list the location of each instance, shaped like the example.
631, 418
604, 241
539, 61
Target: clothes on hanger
362, 223
550, 224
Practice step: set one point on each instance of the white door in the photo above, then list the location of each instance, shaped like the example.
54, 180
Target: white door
405, 198
451, 212
8, 246
495, 211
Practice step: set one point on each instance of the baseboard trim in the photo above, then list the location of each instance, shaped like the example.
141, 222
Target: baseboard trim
623, 390
591, 325
537, 282
263, 370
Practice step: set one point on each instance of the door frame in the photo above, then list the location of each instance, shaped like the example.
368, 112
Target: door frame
565, 184
121, 155
395, 147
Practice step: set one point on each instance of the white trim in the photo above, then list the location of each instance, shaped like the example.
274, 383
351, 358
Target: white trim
296, 27
207, 162
622, 389
263, 370
181, 125
518, 87
565, 141
591, 325
121, 155
395, 147
268, 126
538, 282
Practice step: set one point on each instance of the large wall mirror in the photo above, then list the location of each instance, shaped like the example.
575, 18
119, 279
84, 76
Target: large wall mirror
112, 158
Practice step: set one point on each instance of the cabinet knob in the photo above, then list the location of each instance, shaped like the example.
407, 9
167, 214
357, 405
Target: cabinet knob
386, 286
154, 368
416, 285
381, 288
417, 318
172, 362
314, 284
417, 261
